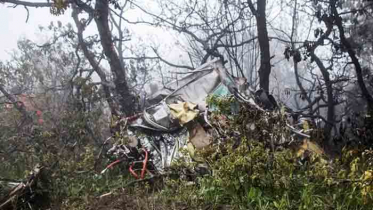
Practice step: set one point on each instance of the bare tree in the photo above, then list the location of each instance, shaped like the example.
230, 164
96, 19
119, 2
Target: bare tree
100, 13
220, 32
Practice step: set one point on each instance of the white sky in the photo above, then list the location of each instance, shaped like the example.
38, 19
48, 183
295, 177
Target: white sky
13, 25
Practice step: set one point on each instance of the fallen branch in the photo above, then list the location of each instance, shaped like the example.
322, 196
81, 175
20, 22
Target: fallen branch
297, 132
21, 189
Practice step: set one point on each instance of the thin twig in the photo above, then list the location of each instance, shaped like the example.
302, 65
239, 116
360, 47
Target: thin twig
28, 14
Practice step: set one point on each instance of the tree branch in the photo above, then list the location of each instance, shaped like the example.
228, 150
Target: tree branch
28, 3
93, 62
171, 64
338, 21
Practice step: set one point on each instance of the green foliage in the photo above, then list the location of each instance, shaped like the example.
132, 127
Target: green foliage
66, 148
75, 182
247, 178
59, 7
250, 176
221, 104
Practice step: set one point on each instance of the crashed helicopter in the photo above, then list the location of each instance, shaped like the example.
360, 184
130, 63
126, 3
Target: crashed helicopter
178, 117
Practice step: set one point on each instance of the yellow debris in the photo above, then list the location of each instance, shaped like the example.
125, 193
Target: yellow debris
310, 146
183, 111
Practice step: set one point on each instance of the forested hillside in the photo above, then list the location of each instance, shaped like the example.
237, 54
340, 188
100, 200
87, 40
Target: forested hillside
188, 104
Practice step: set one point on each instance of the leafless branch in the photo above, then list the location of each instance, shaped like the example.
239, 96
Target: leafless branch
28, 13
169, 63
28, 3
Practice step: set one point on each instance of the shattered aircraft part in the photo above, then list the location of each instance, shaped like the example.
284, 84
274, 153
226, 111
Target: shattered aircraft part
180, 103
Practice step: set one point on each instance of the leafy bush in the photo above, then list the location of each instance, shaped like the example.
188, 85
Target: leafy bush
247, 178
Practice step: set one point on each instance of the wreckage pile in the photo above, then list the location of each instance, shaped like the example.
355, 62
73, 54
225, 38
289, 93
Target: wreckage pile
205, 109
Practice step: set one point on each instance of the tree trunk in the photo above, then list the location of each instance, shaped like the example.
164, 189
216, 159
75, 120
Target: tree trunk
265, 57
330, 99
92, 61
338, 21
126, 99
329, 85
